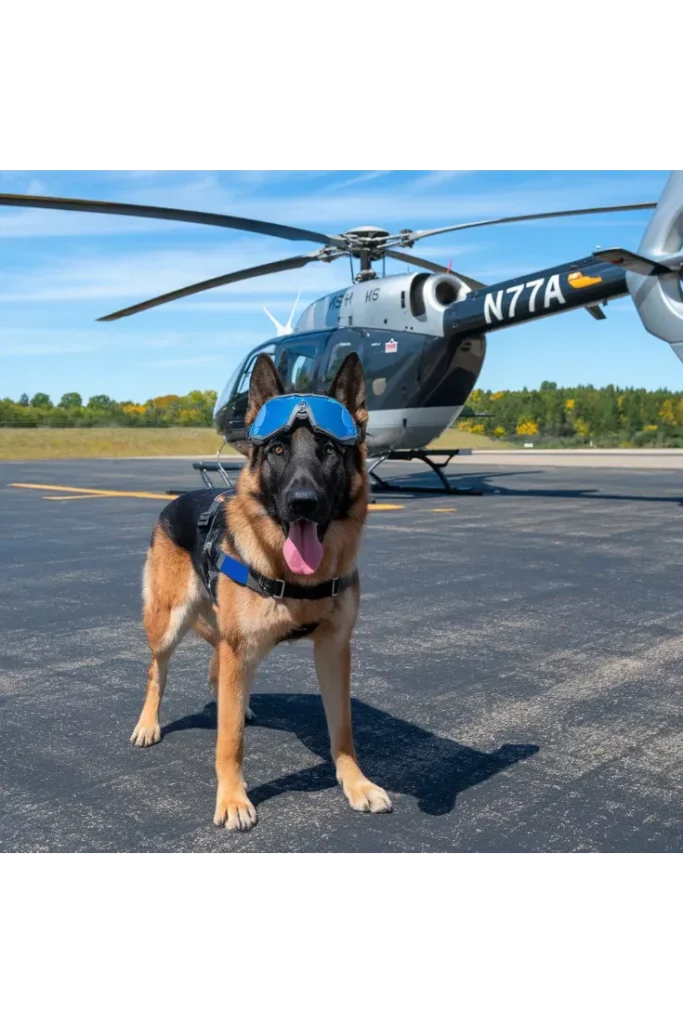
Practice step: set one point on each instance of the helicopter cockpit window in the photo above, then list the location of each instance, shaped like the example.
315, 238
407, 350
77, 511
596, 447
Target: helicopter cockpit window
245, 377
241, 393
345, 340
282, 364
337, 357
297, 362
302, 372
237, 388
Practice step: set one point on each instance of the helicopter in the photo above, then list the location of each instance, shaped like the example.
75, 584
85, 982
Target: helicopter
421, 335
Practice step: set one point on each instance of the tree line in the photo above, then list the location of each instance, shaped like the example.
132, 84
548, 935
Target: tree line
608, 417
192, 410
551, 415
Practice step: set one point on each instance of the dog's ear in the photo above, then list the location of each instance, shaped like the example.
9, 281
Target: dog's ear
265, 384
348, 387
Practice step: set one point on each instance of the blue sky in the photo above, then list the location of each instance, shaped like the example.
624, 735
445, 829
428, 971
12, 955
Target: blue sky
60, 271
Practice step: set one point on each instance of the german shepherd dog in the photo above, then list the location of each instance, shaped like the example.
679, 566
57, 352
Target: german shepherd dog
268, 527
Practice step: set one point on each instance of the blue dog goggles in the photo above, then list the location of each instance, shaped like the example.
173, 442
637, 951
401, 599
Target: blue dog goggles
325, 415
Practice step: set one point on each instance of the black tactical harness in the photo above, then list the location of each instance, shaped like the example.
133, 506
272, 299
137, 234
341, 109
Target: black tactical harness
212, 528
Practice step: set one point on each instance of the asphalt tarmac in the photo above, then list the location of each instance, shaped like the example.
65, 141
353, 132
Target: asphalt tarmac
517, 673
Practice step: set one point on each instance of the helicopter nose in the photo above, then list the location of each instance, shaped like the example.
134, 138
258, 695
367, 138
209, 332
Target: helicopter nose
303, 503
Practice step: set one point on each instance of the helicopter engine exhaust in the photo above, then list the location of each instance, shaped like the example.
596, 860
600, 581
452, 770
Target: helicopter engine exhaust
445, 289
433, 293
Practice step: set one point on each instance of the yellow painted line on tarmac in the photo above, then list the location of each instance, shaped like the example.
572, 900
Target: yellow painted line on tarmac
72, 497
443, 510
75, 493
92, 492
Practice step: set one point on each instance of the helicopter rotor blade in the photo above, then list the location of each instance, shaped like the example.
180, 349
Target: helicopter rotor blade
413, 236
293, 263
219, 220
435, 267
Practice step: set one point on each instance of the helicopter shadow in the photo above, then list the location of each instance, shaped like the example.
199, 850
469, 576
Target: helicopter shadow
488, 484
402, 757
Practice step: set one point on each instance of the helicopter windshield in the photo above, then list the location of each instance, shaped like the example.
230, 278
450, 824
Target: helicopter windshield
238, 384
298, 361
227, 391
350, 343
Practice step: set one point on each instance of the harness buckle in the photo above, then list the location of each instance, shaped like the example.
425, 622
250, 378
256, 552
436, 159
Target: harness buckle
282, 585
335, 586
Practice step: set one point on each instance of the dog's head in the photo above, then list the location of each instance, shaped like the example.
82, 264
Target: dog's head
306, 481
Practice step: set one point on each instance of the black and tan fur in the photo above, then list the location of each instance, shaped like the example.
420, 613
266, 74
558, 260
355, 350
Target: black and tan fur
244, 626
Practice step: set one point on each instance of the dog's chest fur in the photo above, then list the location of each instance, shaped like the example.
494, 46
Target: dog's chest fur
253, 621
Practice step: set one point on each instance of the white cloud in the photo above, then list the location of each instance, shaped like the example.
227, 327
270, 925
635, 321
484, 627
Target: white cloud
404, 177
268, 175
358, 179
146, 172
141, 275
56, 341
142, 173
443, 248
501, 272
435, 179
190, 361
398, 208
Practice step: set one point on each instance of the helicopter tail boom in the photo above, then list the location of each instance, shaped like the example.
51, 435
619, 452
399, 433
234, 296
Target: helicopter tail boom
657, 295
652, 277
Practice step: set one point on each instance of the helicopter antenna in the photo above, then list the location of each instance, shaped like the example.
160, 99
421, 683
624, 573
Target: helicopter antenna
283, 329
290, 322
280, 328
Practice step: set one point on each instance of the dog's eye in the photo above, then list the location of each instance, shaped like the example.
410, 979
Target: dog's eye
329, 449
276, 449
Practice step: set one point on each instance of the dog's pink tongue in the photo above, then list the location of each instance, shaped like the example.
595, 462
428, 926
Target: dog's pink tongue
302, 550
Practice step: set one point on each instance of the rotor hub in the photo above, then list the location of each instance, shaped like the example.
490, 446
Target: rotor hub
366, 242
367, 234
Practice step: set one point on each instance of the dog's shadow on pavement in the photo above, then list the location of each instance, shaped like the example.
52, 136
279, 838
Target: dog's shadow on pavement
401, 757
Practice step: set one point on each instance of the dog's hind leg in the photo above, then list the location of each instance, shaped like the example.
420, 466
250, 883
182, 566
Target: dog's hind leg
171, 598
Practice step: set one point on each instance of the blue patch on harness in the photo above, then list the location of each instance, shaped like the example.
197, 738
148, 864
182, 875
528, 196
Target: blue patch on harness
233, 569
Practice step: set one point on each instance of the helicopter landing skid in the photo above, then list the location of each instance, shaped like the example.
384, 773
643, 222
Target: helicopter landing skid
378, 484
425, 456
204, 468
223, 470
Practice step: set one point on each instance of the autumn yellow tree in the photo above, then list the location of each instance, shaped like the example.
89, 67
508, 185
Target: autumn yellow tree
527, 428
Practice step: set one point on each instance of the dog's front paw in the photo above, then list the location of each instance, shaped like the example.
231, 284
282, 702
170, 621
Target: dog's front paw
366, 796
146, 735
236, 813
